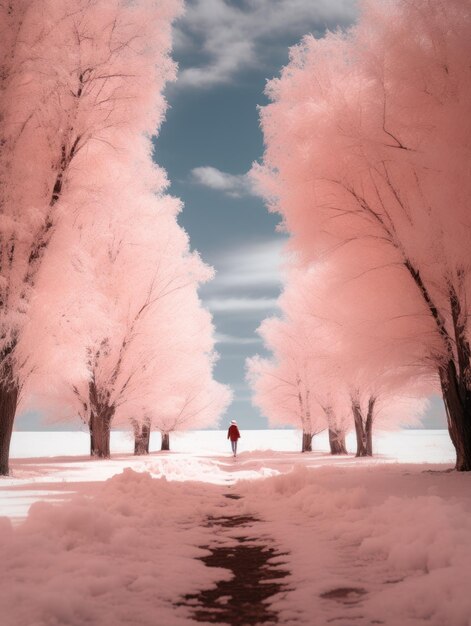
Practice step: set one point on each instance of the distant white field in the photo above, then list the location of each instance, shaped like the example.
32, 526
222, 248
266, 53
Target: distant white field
408, 446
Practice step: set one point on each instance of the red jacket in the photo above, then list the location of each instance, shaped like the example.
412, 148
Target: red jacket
233, 433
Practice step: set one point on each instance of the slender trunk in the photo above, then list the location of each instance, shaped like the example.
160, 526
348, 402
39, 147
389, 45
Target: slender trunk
369, 437
141, 437
92, 427
8, 404
337, 441
307, 442
100, 431
369, 426
165, 441
359, 430
457, 401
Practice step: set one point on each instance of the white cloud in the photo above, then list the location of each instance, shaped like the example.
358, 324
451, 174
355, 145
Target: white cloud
234, 305
240, 341
231, 184
221, 67
251, 266
232, 38
248, 279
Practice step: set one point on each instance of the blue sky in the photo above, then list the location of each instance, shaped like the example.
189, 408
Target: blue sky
226, 51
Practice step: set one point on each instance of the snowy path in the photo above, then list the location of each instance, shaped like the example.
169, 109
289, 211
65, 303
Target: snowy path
256, 573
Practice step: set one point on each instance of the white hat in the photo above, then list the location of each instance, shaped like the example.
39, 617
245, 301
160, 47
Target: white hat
233, 422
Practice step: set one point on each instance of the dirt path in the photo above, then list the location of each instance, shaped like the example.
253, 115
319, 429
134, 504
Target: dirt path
241, 601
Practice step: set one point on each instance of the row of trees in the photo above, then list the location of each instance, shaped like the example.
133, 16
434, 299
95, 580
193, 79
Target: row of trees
329, 369
99, 309
368, 138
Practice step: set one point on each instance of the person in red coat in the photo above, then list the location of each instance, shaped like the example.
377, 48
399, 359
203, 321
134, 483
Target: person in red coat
234, 435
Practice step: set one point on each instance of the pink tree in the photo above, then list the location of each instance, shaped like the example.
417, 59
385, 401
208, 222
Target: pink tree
367, 142
285, 388
149, 281
283, 396
78, 84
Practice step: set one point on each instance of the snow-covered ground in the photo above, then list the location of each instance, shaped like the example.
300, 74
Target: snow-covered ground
116, 542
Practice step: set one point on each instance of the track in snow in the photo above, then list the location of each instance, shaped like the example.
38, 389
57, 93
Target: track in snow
241, 601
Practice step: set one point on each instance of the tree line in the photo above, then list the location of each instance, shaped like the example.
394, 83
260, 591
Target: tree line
367, 152
99, 311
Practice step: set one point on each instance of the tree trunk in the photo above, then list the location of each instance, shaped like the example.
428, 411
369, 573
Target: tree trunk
307, 442
369, 426
8, 404
100, 432
92, 428
337, 441
359, 430
141, 437
165, 441
369, 437
454, 378
457, 401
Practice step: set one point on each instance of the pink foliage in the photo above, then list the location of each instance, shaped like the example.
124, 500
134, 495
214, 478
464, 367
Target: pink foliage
142, 338
367, 149
99, 306
327, 351
79, 80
